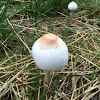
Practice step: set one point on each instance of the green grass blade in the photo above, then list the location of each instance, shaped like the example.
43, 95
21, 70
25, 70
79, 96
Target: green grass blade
3, 91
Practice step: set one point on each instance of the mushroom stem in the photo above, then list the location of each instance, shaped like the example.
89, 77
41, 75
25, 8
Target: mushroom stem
47, 77
71, 13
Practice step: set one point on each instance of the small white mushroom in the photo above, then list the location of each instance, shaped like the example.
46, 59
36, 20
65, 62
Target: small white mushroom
50, 53
72, 6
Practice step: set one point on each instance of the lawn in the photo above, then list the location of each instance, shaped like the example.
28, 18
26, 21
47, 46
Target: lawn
22, 22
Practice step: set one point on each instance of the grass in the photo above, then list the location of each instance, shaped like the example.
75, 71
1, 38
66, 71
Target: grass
21, 24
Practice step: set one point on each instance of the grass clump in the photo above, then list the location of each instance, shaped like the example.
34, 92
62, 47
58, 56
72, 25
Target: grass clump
45, 8
5, 29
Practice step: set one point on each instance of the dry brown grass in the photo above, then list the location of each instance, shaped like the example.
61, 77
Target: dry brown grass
21, 80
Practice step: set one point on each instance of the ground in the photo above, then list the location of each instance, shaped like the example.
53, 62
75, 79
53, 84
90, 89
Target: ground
20, 79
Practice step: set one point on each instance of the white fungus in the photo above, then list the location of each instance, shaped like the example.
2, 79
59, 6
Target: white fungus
50, 53
72, 6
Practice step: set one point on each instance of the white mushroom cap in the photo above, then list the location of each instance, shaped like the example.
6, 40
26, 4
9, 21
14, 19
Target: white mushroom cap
72, 6
50, 53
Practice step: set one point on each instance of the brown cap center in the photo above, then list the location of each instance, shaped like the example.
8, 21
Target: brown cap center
48, 41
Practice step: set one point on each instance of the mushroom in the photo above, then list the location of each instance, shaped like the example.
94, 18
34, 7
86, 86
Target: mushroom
72, 6
50, 53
